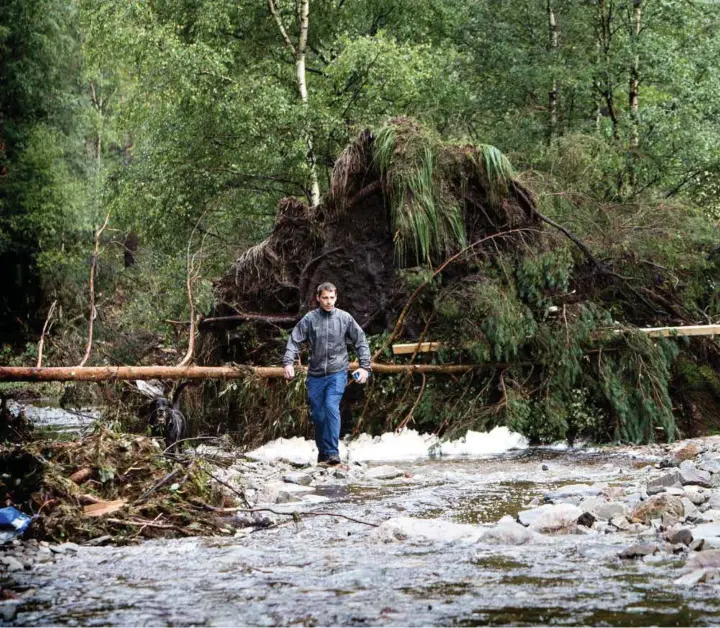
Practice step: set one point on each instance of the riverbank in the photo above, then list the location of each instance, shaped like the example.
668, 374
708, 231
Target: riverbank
620, 536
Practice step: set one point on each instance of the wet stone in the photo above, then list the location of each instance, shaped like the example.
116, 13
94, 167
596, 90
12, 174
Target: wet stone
697, 545
683, 535
384, 473
302, 479
11, 563
707, 558
692, 578
639, 550
620, 522
586, 519
573, 491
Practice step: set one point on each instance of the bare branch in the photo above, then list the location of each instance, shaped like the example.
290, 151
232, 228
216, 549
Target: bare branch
281, 26
51, 311
93, 313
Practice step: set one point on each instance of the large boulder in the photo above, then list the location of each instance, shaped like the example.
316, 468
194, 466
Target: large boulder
551, 518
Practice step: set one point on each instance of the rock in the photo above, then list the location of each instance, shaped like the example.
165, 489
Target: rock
609, 510
639, 550
100, 540
667, 462
714, 501
8, 612
65, 548
507, 532
655, 490
591, 504
669, 479
710, 532
697, 495
302, 479
709, 464
686, 464
711, 514
384, 473
285, 497
696, 545
691, 579
586, 519
687, 452
620, 522
690, 510
573, 491
691, 475
341, 474
423, 531
11, 563
708, 558
657, 506
544, 467
683, 535
555, 518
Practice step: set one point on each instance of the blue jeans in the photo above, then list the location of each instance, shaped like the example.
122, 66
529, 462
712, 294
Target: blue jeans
325, 394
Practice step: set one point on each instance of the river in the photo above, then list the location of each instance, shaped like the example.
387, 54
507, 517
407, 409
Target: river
332, 571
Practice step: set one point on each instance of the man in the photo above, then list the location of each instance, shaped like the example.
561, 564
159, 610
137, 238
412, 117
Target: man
328, 329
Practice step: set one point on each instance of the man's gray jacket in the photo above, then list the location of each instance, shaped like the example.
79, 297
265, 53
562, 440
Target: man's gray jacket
328, 333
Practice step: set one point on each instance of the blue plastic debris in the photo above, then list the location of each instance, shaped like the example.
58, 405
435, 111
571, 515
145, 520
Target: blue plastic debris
12, 524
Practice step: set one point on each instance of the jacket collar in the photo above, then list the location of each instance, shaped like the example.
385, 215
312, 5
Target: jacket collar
324, 313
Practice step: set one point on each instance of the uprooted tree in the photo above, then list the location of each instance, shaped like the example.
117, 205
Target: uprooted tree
428, 240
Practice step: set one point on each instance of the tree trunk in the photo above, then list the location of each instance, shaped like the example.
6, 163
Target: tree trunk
553, 94
114, 373
299, 54
634, 88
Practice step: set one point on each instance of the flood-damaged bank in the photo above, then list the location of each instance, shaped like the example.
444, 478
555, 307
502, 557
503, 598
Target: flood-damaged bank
617, 536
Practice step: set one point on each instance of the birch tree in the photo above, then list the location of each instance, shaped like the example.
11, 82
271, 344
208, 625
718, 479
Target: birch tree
299, 53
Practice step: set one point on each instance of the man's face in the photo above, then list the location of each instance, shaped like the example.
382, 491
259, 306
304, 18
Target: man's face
327, 299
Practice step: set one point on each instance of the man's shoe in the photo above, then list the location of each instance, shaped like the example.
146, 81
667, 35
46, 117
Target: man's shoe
333, 460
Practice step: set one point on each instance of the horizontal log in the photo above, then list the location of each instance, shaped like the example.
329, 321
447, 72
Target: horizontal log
110, 373
655, 332
241, 318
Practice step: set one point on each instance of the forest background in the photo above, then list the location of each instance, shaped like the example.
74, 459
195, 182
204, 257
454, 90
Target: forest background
188, 120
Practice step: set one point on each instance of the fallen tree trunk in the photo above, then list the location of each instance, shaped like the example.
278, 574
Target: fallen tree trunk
109, 373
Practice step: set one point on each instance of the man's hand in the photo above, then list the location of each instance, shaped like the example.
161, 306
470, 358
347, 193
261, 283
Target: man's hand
361, 376
289, 371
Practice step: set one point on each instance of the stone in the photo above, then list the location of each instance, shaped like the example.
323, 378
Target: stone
586, 519
702, 560
550, 517
341, 474
690, 510
696, 545
714, 501
302, 479
8, 612
657, 506
384, 473
667, 462
620, 522
11, 563
683, 535
544, 467
668, 479
573, 491
65, 548
709, 464
507, 532
686, 464
609, 510
712, 514
697, 495
285, 497
708, 531
688, 452
655, 490
691, 579
590, 504
639, 550
695, 476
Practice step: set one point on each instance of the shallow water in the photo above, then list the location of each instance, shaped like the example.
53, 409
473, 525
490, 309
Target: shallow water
330, 571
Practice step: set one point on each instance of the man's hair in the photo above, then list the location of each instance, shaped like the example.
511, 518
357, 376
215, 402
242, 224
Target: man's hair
325, 287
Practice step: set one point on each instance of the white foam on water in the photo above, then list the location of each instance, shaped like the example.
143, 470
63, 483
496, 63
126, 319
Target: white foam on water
405, 445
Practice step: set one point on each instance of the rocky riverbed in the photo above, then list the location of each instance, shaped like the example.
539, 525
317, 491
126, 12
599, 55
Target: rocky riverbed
618, 536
